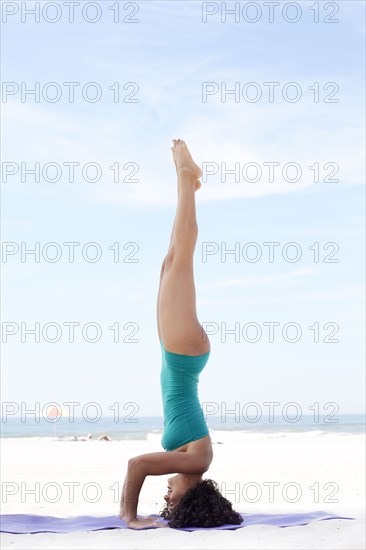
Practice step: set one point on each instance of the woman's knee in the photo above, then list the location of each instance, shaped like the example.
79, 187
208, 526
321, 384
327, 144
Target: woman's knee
168, 260
180, 260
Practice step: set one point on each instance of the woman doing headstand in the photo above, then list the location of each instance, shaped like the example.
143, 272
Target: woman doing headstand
185, 347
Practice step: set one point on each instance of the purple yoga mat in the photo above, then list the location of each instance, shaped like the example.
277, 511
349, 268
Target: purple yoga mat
29, 523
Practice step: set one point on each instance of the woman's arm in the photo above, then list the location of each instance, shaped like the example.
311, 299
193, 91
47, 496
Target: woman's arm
131, 489
156, 464
121, 502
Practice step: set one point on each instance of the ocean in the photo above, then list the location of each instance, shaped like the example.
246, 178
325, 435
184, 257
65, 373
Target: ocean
141, 427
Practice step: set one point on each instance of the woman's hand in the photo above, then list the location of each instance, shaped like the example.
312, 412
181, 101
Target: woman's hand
144, 523
151, 518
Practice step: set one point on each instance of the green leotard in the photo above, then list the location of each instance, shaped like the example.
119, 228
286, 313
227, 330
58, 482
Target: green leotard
183, 416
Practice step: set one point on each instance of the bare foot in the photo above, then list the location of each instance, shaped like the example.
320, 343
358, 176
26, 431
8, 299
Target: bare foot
184, 162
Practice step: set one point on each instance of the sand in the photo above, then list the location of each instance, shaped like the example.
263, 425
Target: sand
308, 472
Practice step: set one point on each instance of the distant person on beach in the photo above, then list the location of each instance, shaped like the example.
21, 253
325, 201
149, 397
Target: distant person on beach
84, 437
104, 437
75, 437
185, 347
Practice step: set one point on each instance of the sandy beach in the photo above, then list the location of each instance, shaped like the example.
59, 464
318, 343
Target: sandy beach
259, 473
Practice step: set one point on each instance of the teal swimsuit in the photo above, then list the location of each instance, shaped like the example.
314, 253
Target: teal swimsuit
183, 416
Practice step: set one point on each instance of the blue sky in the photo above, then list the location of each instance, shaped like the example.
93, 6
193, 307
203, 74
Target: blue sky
169, 53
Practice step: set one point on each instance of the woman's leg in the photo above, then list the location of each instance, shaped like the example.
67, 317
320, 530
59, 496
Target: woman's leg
178, 325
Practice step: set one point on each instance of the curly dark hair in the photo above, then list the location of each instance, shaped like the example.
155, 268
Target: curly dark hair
202, 506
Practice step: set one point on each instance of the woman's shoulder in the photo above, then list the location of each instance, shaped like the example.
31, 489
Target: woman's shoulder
203, 446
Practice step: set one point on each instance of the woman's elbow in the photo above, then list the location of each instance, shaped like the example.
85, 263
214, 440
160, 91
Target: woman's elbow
136, 464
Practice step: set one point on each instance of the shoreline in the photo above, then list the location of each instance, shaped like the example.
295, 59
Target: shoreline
226, 435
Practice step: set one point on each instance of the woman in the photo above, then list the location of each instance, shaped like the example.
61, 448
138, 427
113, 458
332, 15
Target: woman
185, 347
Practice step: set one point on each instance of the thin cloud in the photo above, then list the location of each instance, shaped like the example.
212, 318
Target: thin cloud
258, 280
336, 294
